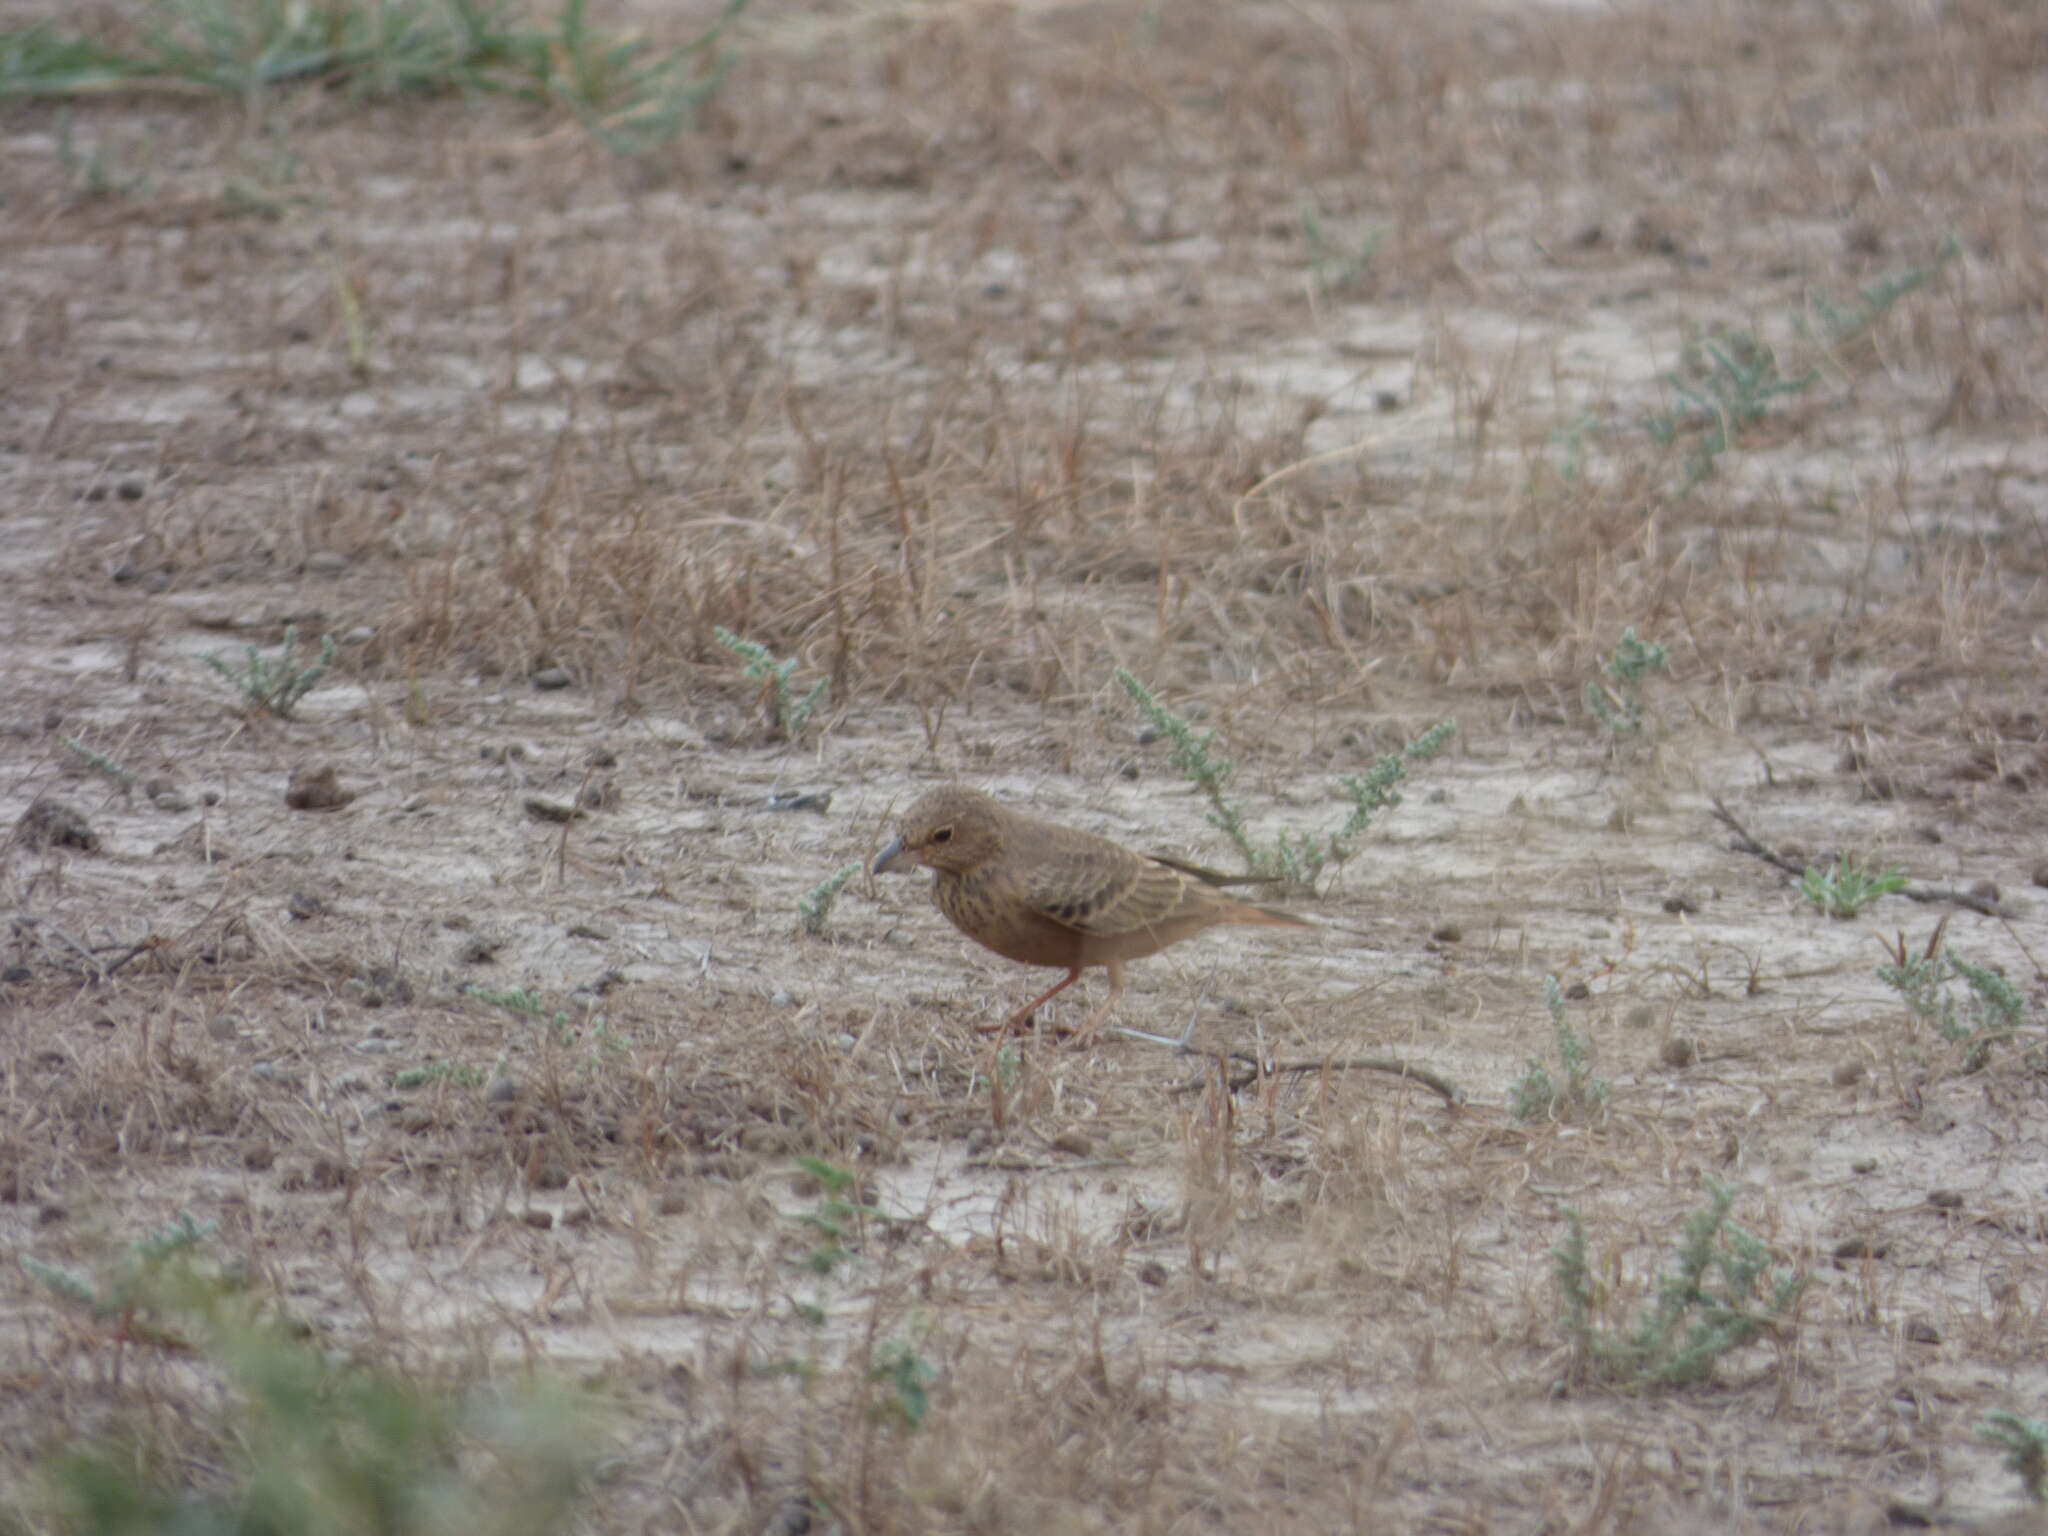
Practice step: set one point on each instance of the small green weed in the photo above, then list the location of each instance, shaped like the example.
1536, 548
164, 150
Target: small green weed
1725, 385
1295, 859
275, 684
631, 96
785, 713
1846, 889
517, 1000
1615, 698
461, 1075
1581, 1097
99, 761
838, 1215
816, 906
1722, 1295
1839, 327
909, 1377
136, 1282
2025, 1442
1988, 1010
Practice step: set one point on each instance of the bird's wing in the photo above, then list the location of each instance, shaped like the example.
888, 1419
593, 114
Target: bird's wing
1106, 890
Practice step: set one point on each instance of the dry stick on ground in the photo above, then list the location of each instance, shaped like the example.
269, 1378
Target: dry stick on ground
1745, 843
1261, 1068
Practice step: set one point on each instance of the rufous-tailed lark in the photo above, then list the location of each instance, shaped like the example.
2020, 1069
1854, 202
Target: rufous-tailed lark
1049, 895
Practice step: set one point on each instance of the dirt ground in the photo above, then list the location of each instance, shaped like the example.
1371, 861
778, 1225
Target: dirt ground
1324, 365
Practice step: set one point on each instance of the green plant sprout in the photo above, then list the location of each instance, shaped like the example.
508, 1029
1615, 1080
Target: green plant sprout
1615, 699
836, 1216
1842, 326
786, 712
275, 684
1580, 1097
1845, 889
1725, 385
816, 906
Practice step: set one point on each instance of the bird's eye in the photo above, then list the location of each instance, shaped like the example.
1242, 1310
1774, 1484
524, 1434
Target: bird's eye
943, 835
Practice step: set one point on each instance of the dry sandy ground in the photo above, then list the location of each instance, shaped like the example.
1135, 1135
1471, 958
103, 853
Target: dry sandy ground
1297, 359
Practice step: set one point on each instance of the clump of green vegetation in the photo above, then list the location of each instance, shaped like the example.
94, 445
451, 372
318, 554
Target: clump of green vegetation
2025, 1442
838, 1214
1847, 888
275, 684
816, 906
630, 94
908, 1376
1615, 698
1580, 1097
1294, 859
785, 712
1722, 1295
307, 1444
1839, 326
1725, 384
1984, 1010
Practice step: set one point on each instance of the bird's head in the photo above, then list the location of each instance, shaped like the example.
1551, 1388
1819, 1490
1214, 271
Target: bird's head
951, 830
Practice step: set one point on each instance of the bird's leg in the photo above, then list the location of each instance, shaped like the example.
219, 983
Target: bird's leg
1085, 1036
1017, 1022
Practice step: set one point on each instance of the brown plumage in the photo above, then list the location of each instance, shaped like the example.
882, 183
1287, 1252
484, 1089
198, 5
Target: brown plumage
1049, 895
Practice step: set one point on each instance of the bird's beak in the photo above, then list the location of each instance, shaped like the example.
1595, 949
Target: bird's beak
888, 856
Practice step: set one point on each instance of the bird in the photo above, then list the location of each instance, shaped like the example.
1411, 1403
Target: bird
1047, 895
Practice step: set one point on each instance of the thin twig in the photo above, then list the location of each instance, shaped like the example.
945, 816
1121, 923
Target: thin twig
1446, 1090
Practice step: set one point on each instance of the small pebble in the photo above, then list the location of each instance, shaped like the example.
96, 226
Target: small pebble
550, 678
1945, 1199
